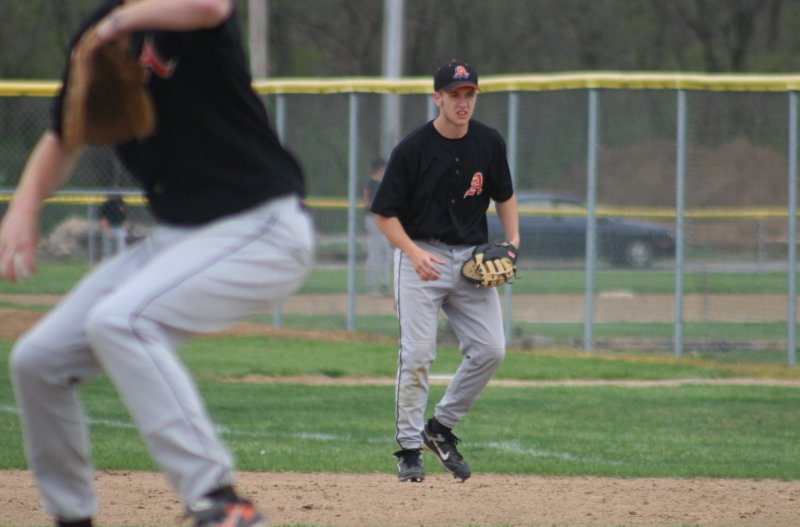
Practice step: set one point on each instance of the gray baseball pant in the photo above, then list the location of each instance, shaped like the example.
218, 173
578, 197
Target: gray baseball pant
126, 318
476, 317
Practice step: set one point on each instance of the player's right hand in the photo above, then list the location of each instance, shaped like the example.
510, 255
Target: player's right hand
19, 235
426, 265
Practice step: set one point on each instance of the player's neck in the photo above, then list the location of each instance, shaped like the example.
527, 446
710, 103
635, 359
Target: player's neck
448, 129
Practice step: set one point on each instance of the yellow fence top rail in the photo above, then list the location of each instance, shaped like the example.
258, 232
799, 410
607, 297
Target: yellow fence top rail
28, 88
612, 80
603, 211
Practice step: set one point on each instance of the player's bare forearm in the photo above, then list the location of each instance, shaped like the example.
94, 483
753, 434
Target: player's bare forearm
425, 264
168, 15
391, 227
508, 213
48, 167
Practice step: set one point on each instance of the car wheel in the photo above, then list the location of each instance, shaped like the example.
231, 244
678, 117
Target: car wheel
638, 254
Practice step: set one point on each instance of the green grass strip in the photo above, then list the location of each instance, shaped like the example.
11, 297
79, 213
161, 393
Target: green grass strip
730, 431
59, 277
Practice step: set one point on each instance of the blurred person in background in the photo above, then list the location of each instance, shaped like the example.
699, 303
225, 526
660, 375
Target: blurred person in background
116, 225
380, 253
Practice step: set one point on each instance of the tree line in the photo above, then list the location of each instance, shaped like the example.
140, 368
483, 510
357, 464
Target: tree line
344, 37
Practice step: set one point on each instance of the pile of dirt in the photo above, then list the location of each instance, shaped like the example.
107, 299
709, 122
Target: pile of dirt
736, 173
68, 239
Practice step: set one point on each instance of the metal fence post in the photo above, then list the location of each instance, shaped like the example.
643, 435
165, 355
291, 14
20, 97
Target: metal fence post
280, 128
352, 176
762, 245
680, 195
513, 126
792, 327
90, 242
591, 222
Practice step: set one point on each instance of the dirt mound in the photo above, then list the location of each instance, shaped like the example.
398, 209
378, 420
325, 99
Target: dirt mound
736, 173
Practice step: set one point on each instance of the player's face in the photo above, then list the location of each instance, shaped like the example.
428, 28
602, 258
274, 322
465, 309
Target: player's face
456, 107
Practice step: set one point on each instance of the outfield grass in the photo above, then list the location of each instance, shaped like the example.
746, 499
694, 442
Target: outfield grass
52, 278
689, 430
59, 277
550, 281
693, 430
736, 336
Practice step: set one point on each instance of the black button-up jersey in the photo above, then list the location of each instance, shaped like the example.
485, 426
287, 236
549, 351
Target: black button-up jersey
213, 152
441, 188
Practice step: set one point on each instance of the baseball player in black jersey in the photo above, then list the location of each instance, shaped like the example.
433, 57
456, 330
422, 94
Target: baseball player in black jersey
234, 239
432, 206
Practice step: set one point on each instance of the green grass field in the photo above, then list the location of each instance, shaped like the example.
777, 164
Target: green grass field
735, 337
692, 430
59, 277
684, 431
687, 430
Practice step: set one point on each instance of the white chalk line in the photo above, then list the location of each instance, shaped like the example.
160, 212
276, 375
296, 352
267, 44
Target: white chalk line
504, 446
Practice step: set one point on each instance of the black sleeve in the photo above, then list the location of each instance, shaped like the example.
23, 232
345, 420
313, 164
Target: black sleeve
503, 187
391, 196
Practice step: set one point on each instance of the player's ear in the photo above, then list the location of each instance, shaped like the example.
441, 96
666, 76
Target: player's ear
437, 99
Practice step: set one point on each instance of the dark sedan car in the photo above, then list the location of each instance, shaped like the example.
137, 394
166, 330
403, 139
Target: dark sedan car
556, 228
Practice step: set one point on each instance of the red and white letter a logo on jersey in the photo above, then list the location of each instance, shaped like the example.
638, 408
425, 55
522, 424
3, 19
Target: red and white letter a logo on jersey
475, 186
151, 60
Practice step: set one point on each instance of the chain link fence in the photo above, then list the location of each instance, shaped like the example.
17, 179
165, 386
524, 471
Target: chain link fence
707, 161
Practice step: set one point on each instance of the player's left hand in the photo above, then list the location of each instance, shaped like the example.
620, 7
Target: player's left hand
491, 265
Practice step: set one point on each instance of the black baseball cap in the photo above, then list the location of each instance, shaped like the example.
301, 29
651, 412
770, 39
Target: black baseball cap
453, 75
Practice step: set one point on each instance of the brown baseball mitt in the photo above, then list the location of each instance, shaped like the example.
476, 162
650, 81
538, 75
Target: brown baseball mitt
107, 101
491, 265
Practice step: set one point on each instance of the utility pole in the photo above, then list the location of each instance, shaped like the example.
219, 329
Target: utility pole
392, 69
258, 21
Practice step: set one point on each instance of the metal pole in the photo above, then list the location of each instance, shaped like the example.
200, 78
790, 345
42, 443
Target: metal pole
280, 117
258, 41
591, 222
352, 177
90, 242
762, 245
680, 195
392, 69
280, 128
792, 334
513, 127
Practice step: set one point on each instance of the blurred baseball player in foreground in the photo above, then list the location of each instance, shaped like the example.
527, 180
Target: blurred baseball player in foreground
234, 240
432, 206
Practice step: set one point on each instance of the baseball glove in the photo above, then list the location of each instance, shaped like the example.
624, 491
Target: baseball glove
106, 101
491, 265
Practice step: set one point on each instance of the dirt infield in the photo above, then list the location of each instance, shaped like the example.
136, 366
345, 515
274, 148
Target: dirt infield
378, 500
